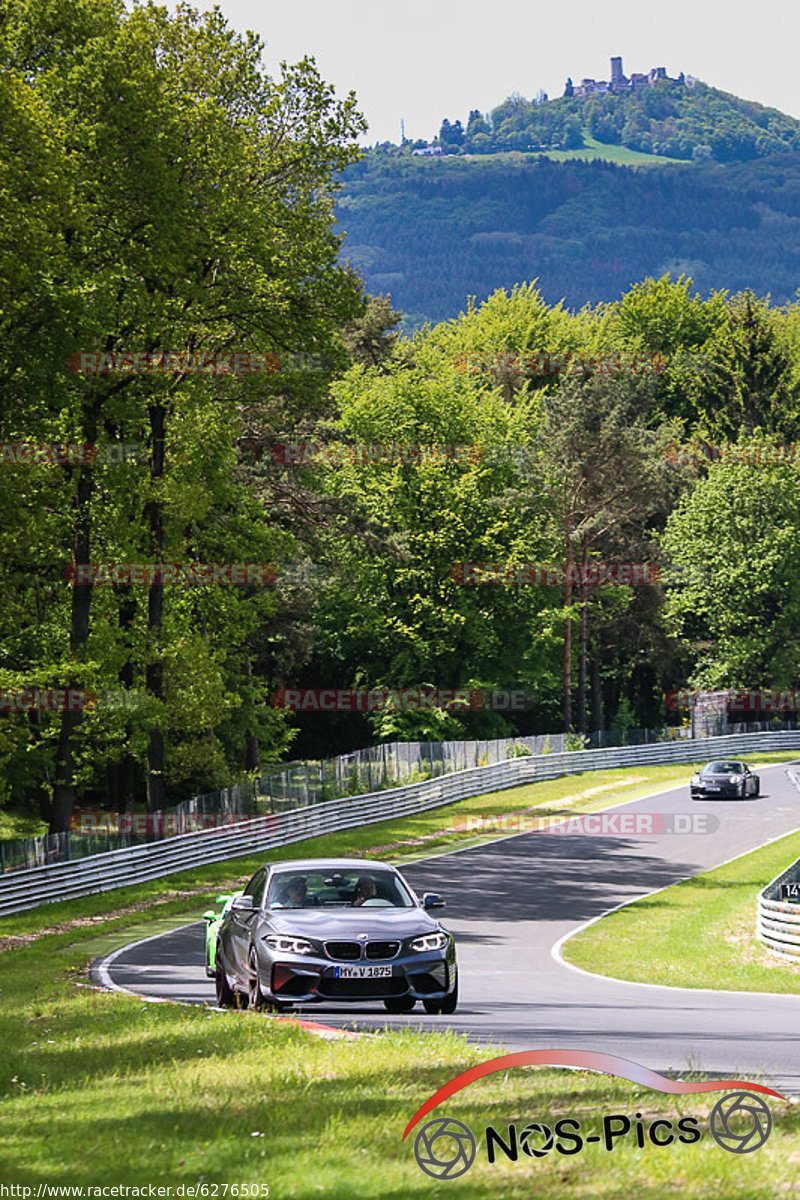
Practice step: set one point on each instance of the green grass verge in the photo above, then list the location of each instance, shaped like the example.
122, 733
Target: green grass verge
101, 1088
695, 934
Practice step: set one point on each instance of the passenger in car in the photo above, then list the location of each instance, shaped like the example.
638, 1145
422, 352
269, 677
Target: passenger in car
366, 889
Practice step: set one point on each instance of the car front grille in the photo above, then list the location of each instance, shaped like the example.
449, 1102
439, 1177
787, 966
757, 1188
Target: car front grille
382, 949
344, 951
349, 951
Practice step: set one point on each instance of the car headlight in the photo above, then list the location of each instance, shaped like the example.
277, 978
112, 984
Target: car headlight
736, 778
431, 941
289, 945
695, 779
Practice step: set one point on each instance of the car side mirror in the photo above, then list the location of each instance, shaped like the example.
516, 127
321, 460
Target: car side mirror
243, 902
210, 915
432, 900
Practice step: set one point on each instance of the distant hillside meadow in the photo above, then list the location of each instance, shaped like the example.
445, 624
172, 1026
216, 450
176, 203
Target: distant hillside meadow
433, 231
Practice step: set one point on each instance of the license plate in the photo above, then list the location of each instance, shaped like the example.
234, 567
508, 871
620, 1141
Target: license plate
362, 972
713, 787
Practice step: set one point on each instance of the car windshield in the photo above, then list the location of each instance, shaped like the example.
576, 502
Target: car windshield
337, 889
724, 768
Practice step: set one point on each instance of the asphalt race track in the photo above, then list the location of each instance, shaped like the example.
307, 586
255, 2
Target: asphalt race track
510, 902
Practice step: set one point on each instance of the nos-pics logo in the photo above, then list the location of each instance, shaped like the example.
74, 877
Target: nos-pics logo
446, 1148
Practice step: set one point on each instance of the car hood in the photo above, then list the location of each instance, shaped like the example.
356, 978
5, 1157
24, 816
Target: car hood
346, 923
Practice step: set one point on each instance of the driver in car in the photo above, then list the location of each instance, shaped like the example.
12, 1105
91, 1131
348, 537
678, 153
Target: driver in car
366, 889
295, 894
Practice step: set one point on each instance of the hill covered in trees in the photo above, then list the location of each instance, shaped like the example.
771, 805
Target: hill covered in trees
670, 118
433, 231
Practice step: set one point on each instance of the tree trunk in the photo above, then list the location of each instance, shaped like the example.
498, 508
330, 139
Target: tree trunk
568, 640
582, 658
64, 768
124, 771
41, 796
598, 716
252, 750
154, 672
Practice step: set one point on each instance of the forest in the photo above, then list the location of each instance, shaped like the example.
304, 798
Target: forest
432, 232
173, 559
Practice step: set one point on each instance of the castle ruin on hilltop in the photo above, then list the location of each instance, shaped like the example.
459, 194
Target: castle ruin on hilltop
621, 83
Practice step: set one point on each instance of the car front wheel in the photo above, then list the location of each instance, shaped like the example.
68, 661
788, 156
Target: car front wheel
399, 1004
226, 997
757, 788
446, 1006
255, 997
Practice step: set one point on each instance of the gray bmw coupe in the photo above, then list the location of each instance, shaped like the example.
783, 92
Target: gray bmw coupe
336, 930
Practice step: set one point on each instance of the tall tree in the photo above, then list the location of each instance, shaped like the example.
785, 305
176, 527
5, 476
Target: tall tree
749, 382
198, 219
602, 474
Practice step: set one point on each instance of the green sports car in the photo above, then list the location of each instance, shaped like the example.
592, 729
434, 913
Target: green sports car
213, 920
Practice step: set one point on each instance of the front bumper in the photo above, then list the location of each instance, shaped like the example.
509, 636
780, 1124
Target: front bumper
722, 791
307, 979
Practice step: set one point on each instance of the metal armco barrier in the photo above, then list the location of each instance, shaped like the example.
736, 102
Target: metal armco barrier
27, 889
778, 921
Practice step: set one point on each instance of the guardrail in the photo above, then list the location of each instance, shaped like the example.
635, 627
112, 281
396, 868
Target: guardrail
777, 920
30, 888
376, 768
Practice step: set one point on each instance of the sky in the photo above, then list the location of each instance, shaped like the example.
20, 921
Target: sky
423, 60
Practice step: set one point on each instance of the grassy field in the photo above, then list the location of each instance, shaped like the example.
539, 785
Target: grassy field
101, 1088
591, 150
699, 933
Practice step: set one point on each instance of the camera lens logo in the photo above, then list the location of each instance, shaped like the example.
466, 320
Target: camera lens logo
444, 1148
740, 1122
527, 1140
